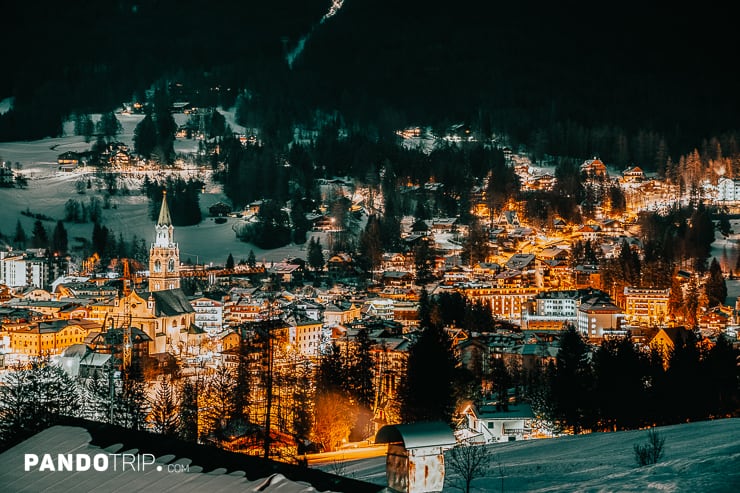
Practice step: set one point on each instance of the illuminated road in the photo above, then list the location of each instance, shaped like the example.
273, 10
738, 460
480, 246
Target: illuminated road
345, 455
364, 463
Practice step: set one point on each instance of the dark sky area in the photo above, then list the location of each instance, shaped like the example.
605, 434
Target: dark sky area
627, 63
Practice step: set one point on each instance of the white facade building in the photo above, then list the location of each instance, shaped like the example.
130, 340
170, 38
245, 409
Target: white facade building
209, 315
728, 190
18, 270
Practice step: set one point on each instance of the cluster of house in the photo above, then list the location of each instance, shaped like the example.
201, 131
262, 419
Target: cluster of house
115, 154
528, 281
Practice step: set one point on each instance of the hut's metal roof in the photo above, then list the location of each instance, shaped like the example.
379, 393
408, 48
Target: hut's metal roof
417, 435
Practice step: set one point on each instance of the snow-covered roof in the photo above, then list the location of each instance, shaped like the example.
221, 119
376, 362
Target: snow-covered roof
417, 435
206, 472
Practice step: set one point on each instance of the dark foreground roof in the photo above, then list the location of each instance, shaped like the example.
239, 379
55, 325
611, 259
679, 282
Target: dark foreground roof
210, 469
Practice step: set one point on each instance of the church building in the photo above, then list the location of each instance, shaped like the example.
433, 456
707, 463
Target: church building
164, 312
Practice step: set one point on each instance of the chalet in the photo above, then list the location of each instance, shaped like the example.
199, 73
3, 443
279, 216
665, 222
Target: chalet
443, 224
285, 271
508, 220
542, 182
340, 265
633, 174
219, 209
339, 313
378, 307
521, 261
594, 168
537, 354
667, 338
493, 424
553, 253
120, 158
612, 226
253, 208
486, 270
587, 232
406, 313
397, 278
243, 309
715, 320
68, 161
397, 261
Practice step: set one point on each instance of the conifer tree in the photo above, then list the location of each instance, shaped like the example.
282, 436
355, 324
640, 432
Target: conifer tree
428, 390
715, 286
315, 255
219, 402
33, 399
39, 238
19, 239
131, 404
109, 126
164, 416
370, 245
59, 239
302, 404
188, 398
145, 137
573, 382
361, 368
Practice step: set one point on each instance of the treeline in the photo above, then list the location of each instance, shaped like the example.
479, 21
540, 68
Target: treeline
626, 386
615, 95
183, 199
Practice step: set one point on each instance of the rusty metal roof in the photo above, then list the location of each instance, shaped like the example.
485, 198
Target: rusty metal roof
417, 435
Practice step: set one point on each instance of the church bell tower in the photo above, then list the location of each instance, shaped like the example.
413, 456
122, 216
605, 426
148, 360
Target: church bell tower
164, 254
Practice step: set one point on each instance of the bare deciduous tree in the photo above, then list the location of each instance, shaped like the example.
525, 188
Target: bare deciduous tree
468, 462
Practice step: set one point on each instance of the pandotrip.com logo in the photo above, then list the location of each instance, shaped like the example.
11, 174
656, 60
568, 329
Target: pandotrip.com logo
100, 462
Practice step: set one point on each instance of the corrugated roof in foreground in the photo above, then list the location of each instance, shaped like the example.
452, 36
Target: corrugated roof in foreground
219, 471
417, 435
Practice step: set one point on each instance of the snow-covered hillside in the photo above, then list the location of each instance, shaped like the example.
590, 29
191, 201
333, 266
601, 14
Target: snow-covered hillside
49, 189
699, 457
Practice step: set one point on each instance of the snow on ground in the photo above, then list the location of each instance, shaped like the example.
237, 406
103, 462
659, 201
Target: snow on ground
699, 457
5, 105
49, 189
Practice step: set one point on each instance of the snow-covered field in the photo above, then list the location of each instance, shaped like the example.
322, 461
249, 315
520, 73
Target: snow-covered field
699, 457
50, 189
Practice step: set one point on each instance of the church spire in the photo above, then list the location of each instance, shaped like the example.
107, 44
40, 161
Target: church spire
164, 212
164, 255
